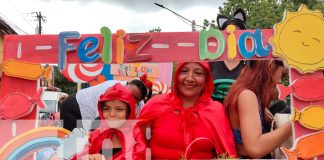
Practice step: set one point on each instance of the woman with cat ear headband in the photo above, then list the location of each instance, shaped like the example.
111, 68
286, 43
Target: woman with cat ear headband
225, 72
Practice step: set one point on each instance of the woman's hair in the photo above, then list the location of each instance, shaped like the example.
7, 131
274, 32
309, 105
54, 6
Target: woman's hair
142, 88
257, 77
149, 96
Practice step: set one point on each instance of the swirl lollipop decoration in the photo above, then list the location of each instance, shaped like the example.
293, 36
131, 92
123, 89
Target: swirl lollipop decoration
82, 73
160, 88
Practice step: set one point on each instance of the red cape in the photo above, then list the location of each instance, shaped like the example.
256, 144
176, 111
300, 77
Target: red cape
211, 113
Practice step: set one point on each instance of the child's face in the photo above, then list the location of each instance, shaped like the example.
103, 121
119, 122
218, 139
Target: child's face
115, 111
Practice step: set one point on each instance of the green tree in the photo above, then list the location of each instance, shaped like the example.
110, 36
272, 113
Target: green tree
155, 30
62, 83
209, 25
266, 13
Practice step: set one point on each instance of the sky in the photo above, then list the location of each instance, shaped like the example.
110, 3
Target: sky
88, 16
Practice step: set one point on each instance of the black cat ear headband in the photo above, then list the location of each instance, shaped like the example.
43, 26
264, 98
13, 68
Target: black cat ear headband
239, 20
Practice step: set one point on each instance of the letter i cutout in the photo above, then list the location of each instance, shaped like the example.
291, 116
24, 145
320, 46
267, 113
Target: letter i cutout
231, 41
120, 46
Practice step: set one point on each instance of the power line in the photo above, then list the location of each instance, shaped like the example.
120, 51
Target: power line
28, 21
184, 19
11, 24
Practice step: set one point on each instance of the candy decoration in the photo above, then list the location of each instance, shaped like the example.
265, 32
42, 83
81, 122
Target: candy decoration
310, 117
98, 80
306, 147
105, 75
25, 70
82, 73
17, 105
160, 88
304, 89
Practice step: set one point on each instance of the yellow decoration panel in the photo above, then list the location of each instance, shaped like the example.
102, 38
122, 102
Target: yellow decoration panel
299, 40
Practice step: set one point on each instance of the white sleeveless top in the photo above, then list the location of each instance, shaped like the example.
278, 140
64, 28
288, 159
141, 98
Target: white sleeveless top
88, 99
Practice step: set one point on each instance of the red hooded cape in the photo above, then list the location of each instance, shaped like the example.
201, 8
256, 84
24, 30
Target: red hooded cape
211, 113
124, 133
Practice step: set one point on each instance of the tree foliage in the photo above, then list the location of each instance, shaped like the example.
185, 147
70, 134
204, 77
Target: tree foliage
155, 30
62, 83
211, 24
266, 13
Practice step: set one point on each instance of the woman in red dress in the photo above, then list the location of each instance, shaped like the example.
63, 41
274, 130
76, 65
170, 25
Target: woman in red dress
187, 123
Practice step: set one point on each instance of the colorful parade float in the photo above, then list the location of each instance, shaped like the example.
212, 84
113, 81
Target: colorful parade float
298, 40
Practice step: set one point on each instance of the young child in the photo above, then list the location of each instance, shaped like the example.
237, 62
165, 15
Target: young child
115, 106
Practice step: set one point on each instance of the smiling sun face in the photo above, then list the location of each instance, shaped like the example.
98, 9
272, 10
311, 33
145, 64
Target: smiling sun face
299, 40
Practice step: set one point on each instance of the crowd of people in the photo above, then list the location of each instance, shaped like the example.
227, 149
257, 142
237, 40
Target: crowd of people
202, 118
186, 123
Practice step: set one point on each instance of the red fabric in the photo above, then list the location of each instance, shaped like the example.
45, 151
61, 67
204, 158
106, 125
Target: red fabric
185, 125
98, 136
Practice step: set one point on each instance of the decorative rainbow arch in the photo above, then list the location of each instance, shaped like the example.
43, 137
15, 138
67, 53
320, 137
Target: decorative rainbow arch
32, 140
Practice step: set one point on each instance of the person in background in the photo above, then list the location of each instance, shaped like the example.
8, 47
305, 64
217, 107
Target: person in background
82, 105
225, 72
247, 104
187, 123
115, 106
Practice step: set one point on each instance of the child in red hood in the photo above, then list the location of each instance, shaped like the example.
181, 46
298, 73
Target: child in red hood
115, 106
187, 123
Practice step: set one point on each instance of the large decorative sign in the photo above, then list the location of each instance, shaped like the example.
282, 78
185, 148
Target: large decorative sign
298, 40
72, 47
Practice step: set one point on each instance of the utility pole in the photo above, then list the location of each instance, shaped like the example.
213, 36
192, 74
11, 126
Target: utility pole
40, 18
193, 23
